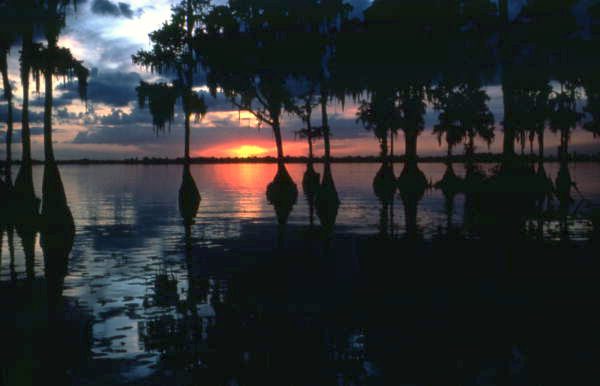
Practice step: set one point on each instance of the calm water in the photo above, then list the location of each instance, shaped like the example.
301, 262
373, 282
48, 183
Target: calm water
128, 230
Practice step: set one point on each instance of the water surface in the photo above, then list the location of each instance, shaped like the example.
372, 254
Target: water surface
128, 231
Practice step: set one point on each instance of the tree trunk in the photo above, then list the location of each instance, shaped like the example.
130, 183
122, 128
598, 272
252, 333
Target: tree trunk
471, 147
565, 145
507, 86
531, 140
28, 203
25, 134
187, 138
325, 124
310, 149
189, 79
410, 140
391, 146
9, 118
541, 145
48, 150
509, 132
278, 140
384, 148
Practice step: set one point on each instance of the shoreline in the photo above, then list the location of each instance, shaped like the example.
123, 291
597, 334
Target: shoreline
480, 158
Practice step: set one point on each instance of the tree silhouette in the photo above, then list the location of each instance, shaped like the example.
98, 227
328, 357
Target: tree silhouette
53, 61
449, 101
310, 180
532, 110
29, 14
464, 116
412, 109
381, 116
309, 132
591, 86
173, 52
563, 119
8, 36
542, 32
564, 115
256, 79
325, 24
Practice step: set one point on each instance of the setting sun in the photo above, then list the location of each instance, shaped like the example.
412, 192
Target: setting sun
248, 151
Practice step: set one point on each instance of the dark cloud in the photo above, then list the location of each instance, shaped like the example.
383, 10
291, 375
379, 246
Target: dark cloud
220, 103
106, 7
34, 117
57, 101
34, 132
118, 135
111, 88
126, 10
63, 115
116, 52
114, 88
118, 118
123, 130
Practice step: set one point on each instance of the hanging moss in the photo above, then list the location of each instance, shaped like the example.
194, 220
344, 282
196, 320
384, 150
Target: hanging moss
161, 99
196, 106
58, 61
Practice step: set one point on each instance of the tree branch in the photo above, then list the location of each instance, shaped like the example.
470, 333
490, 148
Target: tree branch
257, 114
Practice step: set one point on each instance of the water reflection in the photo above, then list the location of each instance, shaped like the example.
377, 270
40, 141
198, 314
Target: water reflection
168, 296
327, 200
310, 186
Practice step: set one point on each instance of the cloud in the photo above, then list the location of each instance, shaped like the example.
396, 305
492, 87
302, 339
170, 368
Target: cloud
34, 132
119, 118
123, 130
108, 8
34, 117
118, 135
126, 10
112, 88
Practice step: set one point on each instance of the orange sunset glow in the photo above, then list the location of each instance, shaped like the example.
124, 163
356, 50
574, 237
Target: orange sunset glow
245, 151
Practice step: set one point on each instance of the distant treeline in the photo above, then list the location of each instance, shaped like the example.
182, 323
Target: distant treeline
478, 158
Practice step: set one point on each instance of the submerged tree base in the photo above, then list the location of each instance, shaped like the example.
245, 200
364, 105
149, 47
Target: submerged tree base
384, 183
56, 222
5, 198
282, 193
327, 201
450, 182
412, 179
310, 181
189, 197
27, 205
507, 197
564, 183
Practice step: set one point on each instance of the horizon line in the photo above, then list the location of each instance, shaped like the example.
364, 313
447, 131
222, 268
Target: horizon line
479, 157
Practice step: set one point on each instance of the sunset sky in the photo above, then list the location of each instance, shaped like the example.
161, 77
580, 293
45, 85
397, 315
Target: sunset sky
105, 33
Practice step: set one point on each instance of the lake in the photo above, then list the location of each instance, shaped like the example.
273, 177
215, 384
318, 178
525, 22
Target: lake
235, 296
